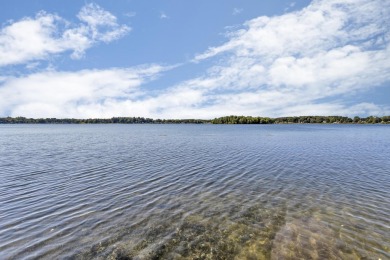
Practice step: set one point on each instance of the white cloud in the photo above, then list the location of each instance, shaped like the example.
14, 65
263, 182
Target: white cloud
321, 26
130, 14
237, 11
32, 65
95, 16
291, 5
74, 94
163, 15
287, 64
101, 24
46, 34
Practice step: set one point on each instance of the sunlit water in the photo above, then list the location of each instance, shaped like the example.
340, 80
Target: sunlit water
194, 192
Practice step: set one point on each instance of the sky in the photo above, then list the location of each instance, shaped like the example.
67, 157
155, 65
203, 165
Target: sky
194, 59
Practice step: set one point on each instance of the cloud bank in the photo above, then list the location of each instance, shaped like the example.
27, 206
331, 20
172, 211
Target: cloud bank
86, 93
305, 62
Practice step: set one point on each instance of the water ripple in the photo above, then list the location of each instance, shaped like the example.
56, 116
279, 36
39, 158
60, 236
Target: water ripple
172, 191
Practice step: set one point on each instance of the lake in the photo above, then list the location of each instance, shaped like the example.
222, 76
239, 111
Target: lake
194, 191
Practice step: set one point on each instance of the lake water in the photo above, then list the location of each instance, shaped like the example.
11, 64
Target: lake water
194, 191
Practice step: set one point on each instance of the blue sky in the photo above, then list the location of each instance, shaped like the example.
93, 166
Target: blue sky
194, 59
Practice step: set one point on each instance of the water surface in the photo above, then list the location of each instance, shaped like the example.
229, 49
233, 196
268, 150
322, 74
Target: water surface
194, 191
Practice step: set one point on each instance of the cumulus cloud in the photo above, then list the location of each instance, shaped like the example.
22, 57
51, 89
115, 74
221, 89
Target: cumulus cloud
46, 34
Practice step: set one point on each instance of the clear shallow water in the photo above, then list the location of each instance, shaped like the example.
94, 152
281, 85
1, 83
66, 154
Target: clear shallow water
194, 191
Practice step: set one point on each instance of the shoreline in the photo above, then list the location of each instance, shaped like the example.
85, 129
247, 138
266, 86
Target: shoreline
231, 120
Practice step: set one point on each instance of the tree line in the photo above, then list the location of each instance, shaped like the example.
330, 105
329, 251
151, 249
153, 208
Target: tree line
301, 120
113, 120
220, 120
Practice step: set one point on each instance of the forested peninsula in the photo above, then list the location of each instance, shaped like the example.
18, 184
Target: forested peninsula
220, 120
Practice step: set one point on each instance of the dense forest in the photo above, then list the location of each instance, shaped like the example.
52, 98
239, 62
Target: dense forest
220, 120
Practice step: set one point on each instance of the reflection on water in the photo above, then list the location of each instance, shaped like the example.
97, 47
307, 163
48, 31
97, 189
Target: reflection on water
194, 192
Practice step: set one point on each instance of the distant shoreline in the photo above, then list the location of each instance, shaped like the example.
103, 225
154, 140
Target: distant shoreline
219, 120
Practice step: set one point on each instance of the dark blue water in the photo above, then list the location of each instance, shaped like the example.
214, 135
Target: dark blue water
194, 191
